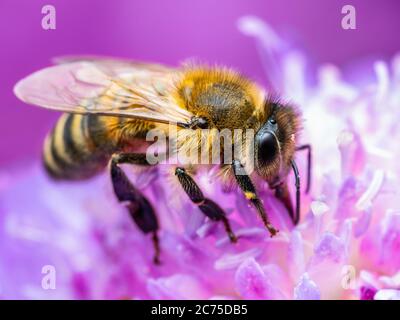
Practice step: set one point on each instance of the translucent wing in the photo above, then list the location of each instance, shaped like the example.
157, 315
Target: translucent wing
106, 87
114, 64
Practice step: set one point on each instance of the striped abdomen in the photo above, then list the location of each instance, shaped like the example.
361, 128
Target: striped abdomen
80, 146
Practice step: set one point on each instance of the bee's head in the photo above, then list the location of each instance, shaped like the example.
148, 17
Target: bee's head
275, 140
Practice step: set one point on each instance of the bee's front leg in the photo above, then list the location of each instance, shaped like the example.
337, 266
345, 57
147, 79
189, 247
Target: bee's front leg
207, 206
247, 187
282, 193
309, 163
137, 204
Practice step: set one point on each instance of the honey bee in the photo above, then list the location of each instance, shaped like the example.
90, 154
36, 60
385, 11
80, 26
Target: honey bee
110, 105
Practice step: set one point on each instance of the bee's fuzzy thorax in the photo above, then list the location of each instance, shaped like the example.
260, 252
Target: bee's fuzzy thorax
218, 90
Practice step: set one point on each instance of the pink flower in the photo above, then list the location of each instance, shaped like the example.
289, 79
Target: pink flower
347, 245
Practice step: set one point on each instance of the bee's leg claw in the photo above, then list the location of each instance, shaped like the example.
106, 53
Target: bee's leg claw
207, 206
232, 237
273, 232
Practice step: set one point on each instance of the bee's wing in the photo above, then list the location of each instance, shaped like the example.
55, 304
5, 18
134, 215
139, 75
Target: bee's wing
107, 87
113, 63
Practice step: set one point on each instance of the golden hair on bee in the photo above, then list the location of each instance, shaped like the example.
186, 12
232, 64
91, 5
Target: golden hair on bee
222, 95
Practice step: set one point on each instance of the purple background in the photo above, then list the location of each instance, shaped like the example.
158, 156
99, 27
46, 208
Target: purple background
170, 31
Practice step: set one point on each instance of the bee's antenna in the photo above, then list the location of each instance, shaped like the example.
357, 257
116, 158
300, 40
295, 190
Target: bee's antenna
297, 184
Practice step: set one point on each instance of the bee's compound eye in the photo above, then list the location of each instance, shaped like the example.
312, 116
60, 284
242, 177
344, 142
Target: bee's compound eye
267, 147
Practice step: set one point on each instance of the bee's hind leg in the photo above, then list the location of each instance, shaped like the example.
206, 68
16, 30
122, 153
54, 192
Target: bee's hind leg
137, 204
207, 206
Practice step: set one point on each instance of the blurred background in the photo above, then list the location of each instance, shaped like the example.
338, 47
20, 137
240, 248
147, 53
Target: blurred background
170, 31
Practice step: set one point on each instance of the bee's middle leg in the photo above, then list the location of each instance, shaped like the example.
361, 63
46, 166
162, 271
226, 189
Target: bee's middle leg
207, 206
137, 204
249, 190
